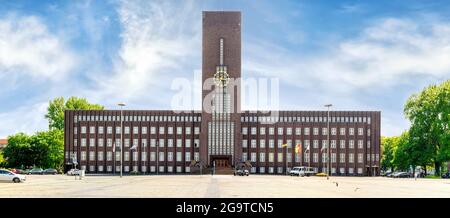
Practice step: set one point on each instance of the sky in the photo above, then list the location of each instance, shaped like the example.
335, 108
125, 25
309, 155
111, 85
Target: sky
357, 55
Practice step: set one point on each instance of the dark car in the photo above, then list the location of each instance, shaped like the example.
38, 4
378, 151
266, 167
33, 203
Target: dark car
242, 173
446, 175
51, 171
401, 175
36, 171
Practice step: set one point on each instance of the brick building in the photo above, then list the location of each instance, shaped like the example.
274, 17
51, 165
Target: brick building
222, 135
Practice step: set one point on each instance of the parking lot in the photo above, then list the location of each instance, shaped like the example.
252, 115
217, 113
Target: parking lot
259, 186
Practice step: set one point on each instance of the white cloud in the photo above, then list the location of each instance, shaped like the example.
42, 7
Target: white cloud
158, 38
28, 48
27, 118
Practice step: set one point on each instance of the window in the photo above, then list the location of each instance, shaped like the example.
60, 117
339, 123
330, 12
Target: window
360, 131
253, 130
333, 157
179, 158
109, 156
333, 143
262, 143
315, 157
100, 130
144, 130
253, 143
280, 143
262, 130
351, 144
324, 157
118, 157
188, 130
161, 143
360, 170
306, 131
280, 131
244, 156
244, 143
306, 157
161, 130
288, 131
196, 156
271, 157
161, 156
271, 131
351, 158
360, 157
135, 130
342, 158
126, 156
118, 130
351, 131
280, 169
324, 131
109, 130
360, 144
152, 130
298, 131
92, 129
188, 143
83, 129
270, 169
127, 143
83, 155
100, 142
187, 156
127, 130
100, 155
244, 130
262, 157
262, 169
315, 143
280, 157
196, 130
315, 131
169, 143
271, 143
91, 156
333, 131
83, 142
342, 131
152, 156
253, 156
144, 143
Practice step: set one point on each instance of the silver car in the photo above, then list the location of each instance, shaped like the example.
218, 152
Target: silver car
8, 176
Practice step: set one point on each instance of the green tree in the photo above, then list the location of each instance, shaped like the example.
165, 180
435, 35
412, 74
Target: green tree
48, 148
401, 156
19, 151
388, 146
429, 113
56, 108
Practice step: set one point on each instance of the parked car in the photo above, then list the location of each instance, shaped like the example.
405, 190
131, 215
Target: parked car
73, 172
6, 175
51, 171
36, 171
242, 173
446, 175
401, 175
301, 171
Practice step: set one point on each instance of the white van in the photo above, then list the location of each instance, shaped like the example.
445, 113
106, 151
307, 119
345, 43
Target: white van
301, 171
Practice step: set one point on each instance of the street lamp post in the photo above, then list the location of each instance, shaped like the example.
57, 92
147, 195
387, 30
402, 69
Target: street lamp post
157, 157
121, 137
328, 141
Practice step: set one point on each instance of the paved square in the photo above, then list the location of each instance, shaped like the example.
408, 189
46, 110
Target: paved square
259, 186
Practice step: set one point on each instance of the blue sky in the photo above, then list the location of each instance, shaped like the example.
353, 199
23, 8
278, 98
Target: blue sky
358, 55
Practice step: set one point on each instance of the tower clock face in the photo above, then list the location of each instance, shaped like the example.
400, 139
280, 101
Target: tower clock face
221, 77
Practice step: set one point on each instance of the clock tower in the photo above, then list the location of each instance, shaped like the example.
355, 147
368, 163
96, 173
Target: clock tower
221, 74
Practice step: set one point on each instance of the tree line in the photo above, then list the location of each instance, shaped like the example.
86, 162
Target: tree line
427, 141
44, 149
